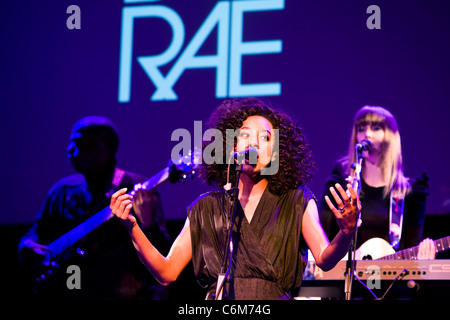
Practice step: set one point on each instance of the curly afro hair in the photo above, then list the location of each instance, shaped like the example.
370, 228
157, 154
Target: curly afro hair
295, 161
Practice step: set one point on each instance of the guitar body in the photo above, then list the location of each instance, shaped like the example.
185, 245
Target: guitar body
51, 273
380, 249
373, 249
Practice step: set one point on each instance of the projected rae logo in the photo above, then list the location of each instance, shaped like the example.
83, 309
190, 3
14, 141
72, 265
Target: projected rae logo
228, 17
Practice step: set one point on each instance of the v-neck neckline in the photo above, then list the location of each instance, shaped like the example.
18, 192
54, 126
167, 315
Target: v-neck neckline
258, 208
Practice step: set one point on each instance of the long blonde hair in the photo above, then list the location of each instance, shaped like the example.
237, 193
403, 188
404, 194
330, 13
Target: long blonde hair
391, 159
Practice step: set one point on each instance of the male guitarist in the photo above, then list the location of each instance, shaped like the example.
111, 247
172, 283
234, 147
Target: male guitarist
109, 268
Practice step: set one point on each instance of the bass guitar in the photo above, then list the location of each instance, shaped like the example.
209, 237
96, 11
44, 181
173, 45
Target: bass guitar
185, 167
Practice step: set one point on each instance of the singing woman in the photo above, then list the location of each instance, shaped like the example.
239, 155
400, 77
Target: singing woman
276, 216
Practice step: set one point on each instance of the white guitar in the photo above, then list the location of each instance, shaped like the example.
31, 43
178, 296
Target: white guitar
380, 249
376, 249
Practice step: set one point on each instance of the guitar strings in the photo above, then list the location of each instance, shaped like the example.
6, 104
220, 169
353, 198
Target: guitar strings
65, 241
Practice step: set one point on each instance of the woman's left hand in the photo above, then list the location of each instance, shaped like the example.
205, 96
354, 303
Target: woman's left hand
349, 206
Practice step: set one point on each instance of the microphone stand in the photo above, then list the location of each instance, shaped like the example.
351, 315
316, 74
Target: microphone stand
351, 261
222, 278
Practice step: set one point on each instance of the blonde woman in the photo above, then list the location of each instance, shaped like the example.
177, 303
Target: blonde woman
393, 205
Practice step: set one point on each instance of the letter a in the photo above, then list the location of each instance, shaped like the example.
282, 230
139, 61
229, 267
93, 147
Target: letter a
74, 21
73, 281
181, 150
373, 282
374, 21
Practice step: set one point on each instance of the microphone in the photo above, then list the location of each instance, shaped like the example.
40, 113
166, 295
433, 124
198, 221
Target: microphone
363, 145
251, 153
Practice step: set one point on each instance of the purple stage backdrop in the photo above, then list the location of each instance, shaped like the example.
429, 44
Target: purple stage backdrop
157, 66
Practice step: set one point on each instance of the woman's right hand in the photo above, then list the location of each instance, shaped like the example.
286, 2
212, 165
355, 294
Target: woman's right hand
121, 205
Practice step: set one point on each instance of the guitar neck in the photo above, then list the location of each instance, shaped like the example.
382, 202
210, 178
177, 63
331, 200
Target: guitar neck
73, 236
411, 253
70, 238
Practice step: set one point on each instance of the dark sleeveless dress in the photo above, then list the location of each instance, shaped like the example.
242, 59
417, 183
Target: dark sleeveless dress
269, 253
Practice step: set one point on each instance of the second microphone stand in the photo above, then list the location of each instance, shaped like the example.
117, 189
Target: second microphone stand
351, 261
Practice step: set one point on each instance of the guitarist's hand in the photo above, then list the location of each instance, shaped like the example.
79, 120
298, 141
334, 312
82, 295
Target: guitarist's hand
33, 253
33, 256
348, 210
121, 204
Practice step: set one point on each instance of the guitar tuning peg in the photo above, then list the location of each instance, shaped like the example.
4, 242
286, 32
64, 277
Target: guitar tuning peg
41, 278
80, 252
